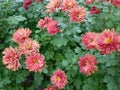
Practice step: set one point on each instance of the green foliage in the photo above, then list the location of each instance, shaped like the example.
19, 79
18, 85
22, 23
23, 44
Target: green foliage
62, 50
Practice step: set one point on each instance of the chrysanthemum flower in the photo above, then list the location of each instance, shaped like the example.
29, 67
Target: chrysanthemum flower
29, 47
53, 28
50, 88
53, 5
67, 5
89, 40
116, 2
11, 58
21, 34
43, 23
89, 2
88, 64
108, 41
35, 62
59, 78
95, 10
27, 3
78, 14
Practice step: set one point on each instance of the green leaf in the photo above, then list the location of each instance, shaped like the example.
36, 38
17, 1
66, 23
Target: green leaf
37, 79
59, 42
64, 63
111, 83
49, 54
13, 20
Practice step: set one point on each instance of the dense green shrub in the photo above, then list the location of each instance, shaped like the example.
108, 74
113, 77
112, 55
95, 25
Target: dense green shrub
62, 50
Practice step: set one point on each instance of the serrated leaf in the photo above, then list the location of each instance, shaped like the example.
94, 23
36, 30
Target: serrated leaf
37, 79
13, 20
111, 83
59, 42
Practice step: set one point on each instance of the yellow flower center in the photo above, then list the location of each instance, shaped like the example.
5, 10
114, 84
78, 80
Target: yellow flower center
86, 63
70, 4
108, 40
58, 78
36, 61
29, 47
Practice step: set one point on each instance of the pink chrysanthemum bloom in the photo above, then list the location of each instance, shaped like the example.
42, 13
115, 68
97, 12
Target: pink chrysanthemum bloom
116, 2
11, 58
88, 64
27, 3
21, 34
89, 2
43, 23
59, 78
53, 5
108, 41
78, 14
89, 40
95, 10
67, 5
35, 62
53, 28
50, 88
29, 47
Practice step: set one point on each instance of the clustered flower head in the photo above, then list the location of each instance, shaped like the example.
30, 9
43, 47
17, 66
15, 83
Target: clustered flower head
51, 88
59, 79
27, 46
95, 10
68, 5
78, 14
53, 5
106, 42
28, 3
75, 11
89, 40
11, 58
88, 64
35, 62
114, 2
21, 35
50, 24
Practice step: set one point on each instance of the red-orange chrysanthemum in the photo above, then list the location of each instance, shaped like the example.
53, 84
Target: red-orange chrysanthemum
108, 41
67, 5
29, 47
95, 10
21, 34
87, 64
35, 62
53, 5
78, 14
116, 2
43, 23
27, 3
89, 40
59, 78
50, 88
11, 58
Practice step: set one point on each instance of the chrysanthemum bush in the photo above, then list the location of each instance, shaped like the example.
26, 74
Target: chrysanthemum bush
60, 44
